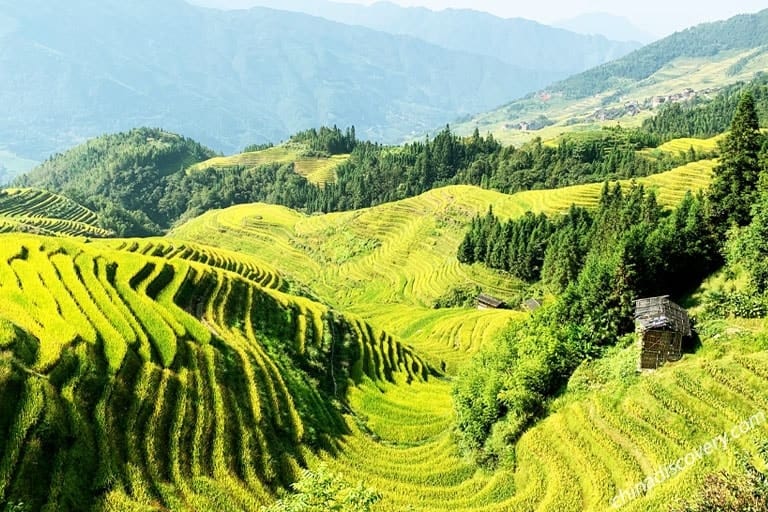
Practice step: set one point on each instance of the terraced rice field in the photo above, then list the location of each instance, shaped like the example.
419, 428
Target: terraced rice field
166, 383
388, 262
43, 212
683, 145
317, 170
579, 458
178, 376
375, 260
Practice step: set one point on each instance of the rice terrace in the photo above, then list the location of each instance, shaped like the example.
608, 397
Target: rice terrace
557, 305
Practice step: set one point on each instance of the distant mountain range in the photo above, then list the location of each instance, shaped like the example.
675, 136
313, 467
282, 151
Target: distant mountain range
78, 69
613, 27
517, 41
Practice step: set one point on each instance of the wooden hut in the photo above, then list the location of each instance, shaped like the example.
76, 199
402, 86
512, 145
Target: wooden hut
487, 302
531, 304
661, 325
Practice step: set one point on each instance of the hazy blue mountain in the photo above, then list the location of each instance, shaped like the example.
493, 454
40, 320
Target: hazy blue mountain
77, 69
609, 25
517, 41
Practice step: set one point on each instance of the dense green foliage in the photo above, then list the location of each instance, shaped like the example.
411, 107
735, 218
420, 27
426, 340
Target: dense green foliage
321, 490
701, 118
507, 386
123, 177
600, 262
138, 181
577, 158
535, 246
740, 32
328, 141
734, 188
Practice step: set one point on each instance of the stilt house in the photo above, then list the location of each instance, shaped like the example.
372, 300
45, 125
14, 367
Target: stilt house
661, 326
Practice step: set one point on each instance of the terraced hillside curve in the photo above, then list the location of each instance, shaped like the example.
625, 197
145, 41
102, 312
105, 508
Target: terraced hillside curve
391, 262
316, 169
610, 430
150, 383
595, 443
38, 211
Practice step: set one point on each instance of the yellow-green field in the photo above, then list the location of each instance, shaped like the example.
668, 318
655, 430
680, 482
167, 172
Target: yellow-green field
403, 252
157, 377
595, 445
201, 406
317, 170
388, 262
678, 146
43, 212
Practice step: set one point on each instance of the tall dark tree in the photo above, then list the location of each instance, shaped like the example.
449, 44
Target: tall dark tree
734, 188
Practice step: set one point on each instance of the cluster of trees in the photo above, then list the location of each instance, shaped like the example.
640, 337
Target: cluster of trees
600, 261
137, 181
375, 174
671, 247
328, 141
576, 158
322, 490
122, 177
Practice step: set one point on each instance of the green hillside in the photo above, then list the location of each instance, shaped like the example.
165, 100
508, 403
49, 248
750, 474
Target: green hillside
689, 65
306, 336
318, 170
37, 211
390, 263
608, 431
144, 380
179, 376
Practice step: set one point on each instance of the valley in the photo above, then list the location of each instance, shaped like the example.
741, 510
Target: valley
334, 322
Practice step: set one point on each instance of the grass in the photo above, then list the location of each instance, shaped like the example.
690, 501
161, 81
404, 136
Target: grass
317, 170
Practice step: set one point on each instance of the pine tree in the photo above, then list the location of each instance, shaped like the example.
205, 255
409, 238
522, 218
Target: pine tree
733, 190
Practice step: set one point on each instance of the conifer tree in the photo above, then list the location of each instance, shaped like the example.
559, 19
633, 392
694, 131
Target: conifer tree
734, 187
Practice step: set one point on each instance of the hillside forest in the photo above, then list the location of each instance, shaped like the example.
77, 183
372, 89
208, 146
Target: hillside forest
145, 186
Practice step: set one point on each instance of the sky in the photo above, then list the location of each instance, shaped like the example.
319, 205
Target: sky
657, 17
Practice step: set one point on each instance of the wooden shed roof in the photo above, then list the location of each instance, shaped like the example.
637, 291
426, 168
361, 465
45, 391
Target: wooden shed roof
489, 301
659, 313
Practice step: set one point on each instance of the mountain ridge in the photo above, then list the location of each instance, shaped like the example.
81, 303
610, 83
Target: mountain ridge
516, 41
245, 77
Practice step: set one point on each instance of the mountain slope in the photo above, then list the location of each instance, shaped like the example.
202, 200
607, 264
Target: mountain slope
519, 42
391, 263
132, 381
612, 428
608, 25
88, 68
690, 64
38, 211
